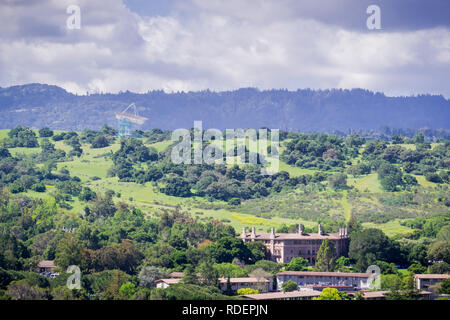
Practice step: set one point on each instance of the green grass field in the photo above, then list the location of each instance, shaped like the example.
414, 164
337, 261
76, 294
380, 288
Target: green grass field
367, 182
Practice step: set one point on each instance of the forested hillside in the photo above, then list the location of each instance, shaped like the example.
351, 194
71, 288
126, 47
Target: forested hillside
38, 105
126, 215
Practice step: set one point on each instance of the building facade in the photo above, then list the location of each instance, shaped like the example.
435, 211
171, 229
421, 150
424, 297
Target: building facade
344, 281
46, 266
285, 246
428, 281
262, 284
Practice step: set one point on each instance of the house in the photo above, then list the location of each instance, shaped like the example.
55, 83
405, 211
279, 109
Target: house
345, 281
46, 266
425, 281
282, 247
164, 283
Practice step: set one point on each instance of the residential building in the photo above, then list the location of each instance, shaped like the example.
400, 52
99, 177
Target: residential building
344, 281
262, 285
45, 266
425, 281
285, 246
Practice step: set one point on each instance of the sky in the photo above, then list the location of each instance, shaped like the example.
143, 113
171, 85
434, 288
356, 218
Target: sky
192, 45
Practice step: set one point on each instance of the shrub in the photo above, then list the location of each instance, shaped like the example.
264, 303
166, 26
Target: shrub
247, 291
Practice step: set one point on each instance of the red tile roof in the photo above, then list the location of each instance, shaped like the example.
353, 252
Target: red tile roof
380, 294
46, 264
176, 275
242, 280
432, 276
169, 281
324, 274
221, 280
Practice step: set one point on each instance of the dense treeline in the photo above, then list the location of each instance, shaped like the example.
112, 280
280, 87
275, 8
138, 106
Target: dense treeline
38, 105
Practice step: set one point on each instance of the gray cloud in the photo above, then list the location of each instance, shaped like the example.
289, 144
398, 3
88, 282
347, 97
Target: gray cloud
226, 45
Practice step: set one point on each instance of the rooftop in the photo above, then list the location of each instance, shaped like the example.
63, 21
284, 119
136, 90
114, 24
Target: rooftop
282, 295
176, 275
46, 264
432, 276
380, 294
324, 274
221, 280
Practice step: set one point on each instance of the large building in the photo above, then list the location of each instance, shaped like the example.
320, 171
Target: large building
343, 281
285, 246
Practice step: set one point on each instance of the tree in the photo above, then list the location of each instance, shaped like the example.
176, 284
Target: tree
243, 291
45, 132
190, 277
418, 254
370, 245
103, 206
176, 186
342, 264
297, 264
289, 286
353, 225
419, 138
127, 290
208, 274
227, 248
417, 268
232, 270
444, 288
100, 142
439, 251
258, 250
338, 181
444, 234
22, 290
128, 256
440, 267
391, 282
86, 194
261, 276
268, 266
326, 256
112, 292
331, 294
390, 177
148, 275
68, 252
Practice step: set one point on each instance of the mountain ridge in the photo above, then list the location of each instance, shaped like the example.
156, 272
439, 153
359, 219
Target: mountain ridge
38, 105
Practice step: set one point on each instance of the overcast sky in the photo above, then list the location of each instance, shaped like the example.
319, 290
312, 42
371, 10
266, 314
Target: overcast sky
184, 45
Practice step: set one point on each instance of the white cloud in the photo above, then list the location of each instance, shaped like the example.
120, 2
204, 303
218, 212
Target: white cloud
213, 46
